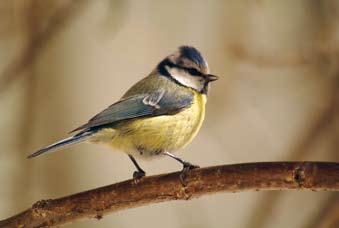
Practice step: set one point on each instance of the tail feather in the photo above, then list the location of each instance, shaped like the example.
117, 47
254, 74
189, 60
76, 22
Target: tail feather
62, 144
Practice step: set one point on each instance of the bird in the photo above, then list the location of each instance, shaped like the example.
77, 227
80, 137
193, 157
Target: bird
156, 117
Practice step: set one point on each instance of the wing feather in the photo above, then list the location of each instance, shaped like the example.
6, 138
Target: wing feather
157, 103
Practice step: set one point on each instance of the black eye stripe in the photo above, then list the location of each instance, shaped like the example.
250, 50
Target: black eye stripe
167, 62
193, 71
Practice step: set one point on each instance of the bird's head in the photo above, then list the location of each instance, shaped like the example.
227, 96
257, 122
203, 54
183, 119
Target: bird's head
188, 68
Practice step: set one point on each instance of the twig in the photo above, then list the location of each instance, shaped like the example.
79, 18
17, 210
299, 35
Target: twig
328, 216
318, 54
326, 119
316, 176
55, 23
265, 207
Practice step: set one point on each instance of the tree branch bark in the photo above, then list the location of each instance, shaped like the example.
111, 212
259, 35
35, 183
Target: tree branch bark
315, 176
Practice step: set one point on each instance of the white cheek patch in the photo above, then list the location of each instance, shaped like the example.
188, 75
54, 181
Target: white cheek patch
185, 78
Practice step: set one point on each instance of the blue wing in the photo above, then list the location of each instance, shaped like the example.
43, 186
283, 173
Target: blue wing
157, 103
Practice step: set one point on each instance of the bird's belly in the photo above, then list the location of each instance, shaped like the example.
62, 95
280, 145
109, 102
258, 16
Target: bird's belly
151, 136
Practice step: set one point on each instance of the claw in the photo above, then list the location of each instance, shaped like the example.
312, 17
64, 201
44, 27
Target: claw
187, 167
138, 175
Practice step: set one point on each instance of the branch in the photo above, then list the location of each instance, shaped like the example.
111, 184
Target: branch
31, 52
328, 215
264, 209
315, 176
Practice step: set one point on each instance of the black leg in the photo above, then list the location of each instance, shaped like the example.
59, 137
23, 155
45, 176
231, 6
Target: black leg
186, 167
137, 175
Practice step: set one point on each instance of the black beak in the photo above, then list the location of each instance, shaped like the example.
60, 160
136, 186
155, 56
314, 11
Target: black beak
211, 77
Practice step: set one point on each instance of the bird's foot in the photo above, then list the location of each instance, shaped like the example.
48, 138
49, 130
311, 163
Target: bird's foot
138, 175
187, 167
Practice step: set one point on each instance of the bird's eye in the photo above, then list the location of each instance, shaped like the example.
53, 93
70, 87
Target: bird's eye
193, 71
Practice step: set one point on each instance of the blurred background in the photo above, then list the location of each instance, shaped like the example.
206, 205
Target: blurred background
277, 99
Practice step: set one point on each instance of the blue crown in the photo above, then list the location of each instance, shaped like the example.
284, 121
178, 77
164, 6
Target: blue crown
192, 54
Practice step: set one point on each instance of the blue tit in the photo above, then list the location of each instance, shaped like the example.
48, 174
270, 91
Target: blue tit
158, 115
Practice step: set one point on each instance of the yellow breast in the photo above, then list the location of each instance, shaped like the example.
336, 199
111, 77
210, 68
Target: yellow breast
149, 136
